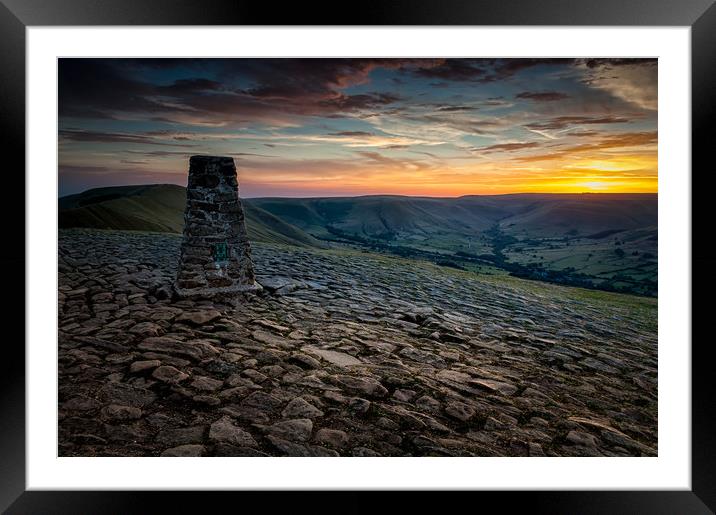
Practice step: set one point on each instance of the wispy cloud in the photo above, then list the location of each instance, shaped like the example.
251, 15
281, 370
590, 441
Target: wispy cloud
508, 147
565, 122
113, 137
542, 96
632, 80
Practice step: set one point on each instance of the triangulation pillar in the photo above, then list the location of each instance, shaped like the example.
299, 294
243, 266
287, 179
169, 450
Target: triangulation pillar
215, 253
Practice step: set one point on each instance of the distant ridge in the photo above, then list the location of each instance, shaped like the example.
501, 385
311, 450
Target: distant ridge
549, 214
160, 207
606, 241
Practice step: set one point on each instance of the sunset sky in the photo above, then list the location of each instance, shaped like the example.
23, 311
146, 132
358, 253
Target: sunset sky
328, 127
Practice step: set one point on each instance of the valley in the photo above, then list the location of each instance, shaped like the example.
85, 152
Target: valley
598, 241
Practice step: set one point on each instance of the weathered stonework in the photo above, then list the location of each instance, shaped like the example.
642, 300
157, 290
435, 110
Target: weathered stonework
215, 252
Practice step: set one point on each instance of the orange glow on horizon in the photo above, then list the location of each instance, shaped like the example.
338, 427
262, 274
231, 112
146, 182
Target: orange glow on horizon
582, 185
617, 173
633, 176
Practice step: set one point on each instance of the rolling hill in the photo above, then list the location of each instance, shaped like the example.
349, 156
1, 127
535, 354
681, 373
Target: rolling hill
543, 214
606, 241
160, 208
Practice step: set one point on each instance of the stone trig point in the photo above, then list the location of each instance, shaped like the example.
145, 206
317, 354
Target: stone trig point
215, 252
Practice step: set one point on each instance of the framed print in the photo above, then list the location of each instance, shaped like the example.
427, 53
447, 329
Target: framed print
426, 248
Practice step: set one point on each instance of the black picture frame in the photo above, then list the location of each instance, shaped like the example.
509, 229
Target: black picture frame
16, 15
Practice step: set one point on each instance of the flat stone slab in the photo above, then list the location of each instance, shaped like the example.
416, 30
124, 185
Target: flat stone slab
199, 317
494, 386
337, 358
223, 430
276, 283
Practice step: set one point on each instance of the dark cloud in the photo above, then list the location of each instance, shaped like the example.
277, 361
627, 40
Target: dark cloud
542, 96
274, 91
625, 61
187, 154
94, 88
363, 101
190, 134
505, 68
113, 137
453, 109
222, 92
480, 70
189, 86
279, 89
452, 69
495, 103
143, 64
161, 153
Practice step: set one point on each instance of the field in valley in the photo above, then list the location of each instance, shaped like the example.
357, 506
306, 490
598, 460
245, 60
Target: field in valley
602, 241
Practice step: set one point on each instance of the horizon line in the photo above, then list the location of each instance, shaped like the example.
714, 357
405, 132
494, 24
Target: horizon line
382, 194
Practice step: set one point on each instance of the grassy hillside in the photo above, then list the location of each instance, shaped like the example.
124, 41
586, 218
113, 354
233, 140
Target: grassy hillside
606, 241
157, 207
263, 226
536, 214
160, 208
383, 216
589, 214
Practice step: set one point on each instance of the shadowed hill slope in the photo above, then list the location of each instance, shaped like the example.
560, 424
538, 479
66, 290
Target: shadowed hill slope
157, 207
545, 214
160, 208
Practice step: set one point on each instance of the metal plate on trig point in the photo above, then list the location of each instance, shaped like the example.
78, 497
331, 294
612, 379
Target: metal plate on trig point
220, 252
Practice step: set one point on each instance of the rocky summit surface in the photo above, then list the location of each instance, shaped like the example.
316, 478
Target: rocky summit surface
344, 353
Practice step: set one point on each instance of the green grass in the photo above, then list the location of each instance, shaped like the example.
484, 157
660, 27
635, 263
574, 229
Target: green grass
540, 225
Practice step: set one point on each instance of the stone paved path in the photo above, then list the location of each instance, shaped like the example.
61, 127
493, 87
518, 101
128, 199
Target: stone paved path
344, 353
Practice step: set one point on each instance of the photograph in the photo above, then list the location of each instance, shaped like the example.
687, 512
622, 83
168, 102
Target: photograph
357, 257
